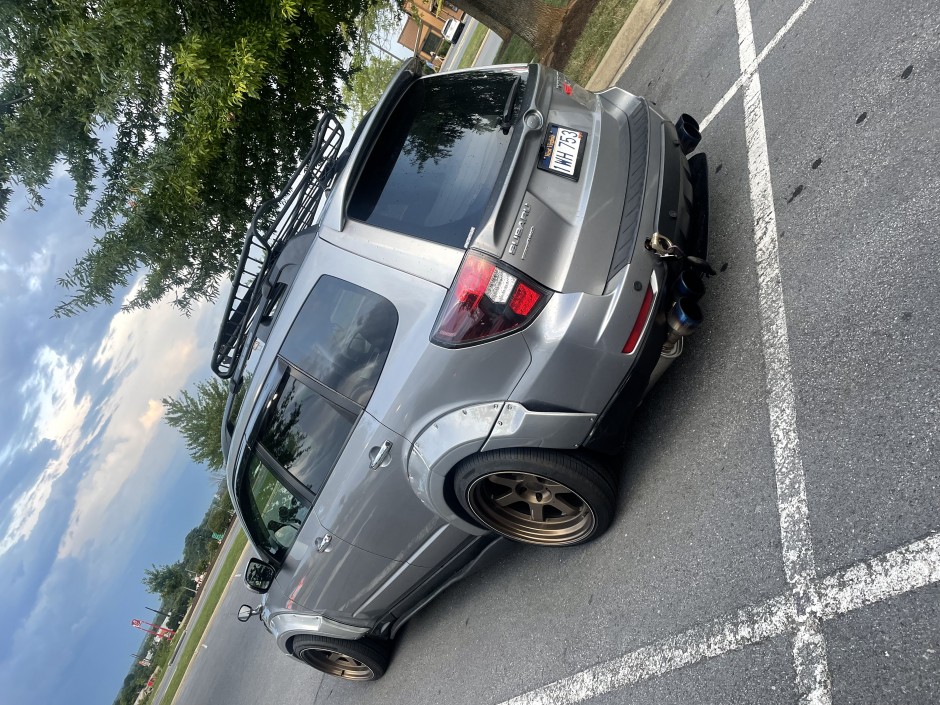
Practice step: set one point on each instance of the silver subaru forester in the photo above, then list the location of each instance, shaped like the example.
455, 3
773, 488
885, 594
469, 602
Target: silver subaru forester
436, 335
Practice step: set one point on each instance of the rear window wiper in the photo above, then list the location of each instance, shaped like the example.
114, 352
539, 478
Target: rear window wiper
506, 122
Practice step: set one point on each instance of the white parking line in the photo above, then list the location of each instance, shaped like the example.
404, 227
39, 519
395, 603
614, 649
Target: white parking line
746, 73
809, 645
865, 583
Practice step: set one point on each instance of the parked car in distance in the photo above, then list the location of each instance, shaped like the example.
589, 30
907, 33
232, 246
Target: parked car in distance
452, 30
439, 334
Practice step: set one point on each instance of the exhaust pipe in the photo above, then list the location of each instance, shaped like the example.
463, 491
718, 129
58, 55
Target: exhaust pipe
689, 133
689, 285
683, 318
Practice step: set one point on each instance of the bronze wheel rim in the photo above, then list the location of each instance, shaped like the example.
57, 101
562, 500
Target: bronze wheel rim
337, 664
531, 508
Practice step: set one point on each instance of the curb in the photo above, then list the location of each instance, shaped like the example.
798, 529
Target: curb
641, 22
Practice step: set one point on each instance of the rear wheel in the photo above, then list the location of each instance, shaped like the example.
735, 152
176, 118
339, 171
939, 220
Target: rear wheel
361, 660
537, 496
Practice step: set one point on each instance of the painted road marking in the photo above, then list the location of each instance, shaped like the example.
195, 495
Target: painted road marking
868, 582
751, 68
810, 600
809, 645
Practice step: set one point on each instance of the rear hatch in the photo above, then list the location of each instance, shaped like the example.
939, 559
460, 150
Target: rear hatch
559, 212
516, 162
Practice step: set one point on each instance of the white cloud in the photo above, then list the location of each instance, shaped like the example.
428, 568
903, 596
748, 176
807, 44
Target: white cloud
156, 351
58, 415
26, 277
149, 354
152, 415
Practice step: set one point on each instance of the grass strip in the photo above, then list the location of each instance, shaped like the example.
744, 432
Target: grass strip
605, 22
516, 51
474, 42
198, 628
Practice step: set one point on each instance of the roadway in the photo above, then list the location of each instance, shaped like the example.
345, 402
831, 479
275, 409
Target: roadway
486, 54
197, 610
793, 451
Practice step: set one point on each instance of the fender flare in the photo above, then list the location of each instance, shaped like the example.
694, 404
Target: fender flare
479, 428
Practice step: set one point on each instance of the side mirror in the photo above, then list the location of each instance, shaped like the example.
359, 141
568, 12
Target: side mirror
259, 576
246, 612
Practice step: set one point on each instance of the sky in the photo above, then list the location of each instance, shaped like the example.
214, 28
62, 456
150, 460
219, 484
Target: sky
94, 485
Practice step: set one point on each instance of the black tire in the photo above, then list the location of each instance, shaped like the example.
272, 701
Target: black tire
364, 659
538, 496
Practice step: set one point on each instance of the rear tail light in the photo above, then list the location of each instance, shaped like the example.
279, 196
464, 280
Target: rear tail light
646, 308
485, 302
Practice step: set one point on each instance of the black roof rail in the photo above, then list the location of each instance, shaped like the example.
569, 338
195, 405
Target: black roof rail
296, 209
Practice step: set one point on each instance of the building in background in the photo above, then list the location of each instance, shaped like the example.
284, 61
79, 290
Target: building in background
422, 31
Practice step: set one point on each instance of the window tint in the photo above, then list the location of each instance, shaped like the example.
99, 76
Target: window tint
433, 169
341, 337
305, 432
273, 514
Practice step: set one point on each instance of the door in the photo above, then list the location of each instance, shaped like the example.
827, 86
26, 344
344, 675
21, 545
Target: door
369, 502
322, 573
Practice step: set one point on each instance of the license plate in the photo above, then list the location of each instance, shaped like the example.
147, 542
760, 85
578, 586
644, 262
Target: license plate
562, 151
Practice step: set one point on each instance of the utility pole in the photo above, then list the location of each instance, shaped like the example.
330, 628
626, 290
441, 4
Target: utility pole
384, 50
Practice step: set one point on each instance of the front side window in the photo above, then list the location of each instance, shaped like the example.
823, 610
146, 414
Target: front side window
305, 432
434, 167
341, 337
273, 514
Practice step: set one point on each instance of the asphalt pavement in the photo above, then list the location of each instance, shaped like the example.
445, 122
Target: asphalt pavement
777, 532
486, 54
210, 580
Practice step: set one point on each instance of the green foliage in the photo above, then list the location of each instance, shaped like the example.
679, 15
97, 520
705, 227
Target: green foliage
165, 580
220, 512
372, 65
379, 21
197, 548
367, 85
134, 682
199, 418
184, 114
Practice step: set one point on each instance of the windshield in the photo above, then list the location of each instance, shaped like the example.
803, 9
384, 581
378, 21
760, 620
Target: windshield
273, 514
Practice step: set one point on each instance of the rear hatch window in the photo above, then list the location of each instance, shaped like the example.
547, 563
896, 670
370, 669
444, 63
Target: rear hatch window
434, 168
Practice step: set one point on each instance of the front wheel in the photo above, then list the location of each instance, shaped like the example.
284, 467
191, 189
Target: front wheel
537, 496
360, 660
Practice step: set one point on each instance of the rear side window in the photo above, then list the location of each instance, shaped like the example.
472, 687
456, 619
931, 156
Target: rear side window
342, 337
305, 432
434, 167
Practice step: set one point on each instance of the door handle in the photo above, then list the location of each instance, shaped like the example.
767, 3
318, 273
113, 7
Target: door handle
323, 543
379, 455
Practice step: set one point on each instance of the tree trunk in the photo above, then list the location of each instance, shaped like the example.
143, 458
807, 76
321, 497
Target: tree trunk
533, 20
502, 30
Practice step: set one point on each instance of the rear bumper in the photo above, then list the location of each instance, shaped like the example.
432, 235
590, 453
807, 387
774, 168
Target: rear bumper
578, 340
577, 343
607, 435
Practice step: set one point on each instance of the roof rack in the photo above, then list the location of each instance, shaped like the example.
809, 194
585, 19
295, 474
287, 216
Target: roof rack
296, 209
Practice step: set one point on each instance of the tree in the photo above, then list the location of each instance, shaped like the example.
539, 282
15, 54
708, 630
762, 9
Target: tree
165, 580
372, 27
196, 548
218, 519
184, 114
199, 418
366, 85
534, 20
